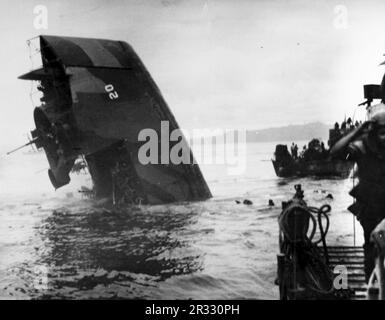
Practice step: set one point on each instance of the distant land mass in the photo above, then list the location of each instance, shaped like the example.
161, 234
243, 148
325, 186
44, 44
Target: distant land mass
297, 132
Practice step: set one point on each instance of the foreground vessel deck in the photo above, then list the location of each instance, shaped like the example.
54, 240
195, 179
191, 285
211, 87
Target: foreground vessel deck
352, 257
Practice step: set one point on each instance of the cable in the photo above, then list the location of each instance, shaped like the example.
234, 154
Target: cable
354, 218
302, 252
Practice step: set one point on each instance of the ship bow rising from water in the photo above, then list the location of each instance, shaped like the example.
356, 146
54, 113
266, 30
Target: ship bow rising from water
96, 97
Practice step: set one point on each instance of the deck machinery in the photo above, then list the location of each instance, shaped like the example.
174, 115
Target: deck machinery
309, 269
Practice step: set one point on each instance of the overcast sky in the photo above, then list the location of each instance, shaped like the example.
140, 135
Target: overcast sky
219, 64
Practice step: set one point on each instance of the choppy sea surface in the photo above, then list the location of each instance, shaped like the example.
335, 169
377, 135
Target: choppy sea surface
56, 245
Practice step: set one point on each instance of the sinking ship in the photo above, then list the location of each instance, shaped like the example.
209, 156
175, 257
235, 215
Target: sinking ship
96, 97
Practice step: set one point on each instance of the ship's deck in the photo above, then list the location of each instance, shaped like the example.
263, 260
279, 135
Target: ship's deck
353, 259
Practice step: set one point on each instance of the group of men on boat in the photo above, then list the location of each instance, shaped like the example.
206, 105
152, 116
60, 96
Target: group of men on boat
339, 131
315, 150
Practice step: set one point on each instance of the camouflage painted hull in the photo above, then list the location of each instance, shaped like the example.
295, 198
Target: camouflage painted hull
97, 97
319, 168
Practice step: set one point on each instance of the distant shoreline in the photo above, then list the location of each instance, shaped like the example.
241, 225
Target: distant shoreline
300, 132
289, 133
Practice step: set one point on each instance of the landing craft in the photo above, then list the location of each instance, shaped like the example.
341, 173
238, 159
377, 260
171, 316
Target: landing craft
96, 97
320, 164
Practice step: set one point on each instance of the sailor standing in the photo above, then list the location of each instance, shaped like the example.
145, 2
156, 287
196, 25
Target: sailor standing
366, 146
294, 151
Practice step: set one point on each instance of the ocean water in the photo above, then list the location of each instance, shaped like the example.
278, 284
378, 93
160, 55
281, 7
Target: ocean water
56, 245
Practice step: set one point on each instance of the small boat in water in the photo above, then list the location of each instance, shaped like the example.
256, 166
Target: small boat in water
286, 166
313, 161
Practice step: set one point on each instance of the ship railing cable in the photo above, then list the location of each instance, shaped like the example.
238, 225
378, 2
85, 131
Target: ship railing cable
354, 201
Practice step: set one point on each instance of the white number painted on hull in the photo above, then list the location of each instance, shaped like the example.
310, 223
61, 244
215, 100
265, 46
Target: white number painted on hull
111, 92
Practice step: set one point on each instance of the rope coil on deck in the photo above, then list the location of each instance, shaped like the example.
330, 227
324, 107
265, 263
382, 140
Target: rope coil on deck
305, 273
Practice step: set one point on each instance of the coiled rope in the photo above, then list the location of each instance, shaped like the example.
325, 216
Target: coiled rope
302, 251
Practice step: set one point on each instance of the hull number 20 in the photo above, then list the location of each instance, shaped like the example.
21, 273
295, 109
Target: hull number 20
112, 94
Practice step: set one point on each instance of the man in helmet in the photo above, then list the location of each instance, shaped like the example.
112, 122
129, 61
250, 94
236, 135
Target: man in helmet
366, 146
